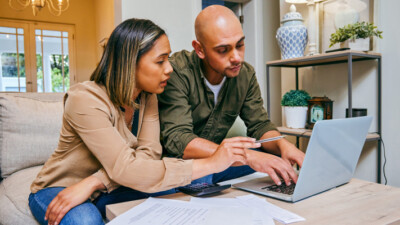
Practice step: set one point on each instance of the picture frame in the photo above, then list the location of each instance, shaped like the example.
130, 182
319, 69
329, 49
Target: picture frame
329, 18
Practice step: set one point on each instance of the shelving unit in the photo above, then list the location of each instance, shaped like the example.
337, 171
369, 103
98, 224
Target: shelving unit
348, 57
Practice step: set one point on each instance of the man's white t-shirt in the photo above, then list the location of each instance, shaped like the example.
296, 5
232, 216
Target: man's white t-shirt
215, 88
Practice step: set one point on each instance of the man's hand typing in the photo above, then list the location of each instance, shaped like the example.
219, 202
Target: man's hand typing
274, 166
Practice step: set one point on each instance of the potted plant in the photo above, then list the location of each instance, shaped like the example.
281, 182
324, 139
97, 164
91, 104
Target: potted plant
348, 35
295, 108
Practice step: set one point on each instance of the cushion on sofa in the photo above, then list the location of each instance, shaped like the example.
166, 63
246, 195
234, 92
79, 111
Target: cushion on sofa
30, 126
14, 193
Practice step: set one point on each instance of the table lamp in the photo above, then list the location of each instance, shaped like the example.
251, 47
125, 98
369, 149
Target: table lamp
312, 36
293, 7
346, 12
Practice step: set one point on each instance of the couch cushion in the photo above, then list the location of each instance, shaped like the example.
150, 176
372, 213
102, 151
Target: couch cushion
14, 193
30, 125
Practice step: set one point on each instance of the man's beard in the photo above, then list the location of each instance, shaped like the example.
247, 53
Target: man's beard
230, 75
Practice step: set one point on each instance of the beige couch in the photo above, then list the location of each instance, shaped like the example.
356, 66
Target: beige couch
29, 130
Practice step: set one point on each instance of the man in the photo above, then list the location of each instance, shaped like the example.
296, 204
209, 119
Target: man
208, 89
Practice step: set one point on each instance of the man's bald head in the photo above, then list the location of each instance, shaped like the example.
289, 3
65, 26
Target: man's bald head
213, 20
220, 43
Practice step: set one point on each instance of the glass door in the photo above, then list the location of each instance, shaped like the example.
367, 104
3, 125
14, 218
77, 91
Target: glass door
36, 57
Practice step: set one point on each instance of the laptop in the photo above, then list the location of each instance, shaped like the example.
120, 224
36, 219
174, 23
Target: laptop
331, 158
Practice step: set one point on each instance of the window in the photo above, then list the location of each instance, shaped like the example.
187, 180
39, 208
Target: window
36, 57
12, 55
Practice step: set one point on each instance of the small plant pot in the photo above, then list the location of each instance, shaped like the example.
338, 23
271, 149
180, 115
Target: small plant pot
361, 44
296, 116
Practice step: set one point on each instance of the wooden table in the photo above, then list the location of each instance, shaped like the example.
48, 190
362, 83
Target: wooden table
358, 202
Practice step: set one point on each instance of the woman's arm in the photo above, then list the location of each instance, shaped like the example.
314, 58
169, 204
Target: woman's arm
71, 197
93, 120
149, 146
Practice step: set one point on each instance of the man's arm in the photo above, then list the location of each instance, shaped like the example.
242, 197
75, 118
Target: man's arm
199, 148
260, 127
252, 111
176, 115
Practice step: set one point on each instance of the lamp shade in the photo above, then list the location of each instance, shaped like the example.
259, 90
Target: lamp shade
296, 1
342, 5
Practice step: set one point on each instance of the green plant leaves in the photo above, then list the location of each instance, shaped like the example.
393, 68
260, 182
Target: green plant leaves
295, 98
355, 31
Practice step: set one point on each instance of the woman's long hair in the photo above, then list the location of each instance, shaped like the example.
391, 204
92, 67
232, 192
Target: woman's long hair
116, 70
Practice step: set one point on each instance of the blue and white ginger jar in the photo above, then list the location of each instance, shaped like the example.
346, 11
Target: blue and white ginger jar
292, 35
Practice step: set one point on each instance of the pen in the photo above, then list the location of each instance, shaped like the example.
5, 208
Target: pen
270, 139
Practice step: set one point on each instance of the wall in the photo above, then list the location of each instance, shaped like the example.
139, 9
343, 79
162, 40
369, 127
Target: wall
104, 21
176, 17
82, 15
390, 48
331, 81
271, 22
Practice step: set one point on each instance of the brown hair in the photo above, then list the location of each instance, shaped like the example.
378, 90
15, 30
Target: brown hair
116, 70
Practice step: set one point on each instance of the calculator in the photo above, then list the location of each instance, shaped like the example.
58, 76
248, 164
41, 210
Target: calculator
201, 189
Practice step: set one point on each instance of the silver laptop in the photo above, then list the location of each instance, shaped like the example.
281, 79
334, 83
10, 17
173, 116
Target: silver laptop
331, 158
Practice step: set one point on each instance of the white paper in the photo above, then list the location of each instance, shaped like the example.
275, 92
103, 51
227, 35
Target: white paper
172, 212
274, 211
258, 217
244, 178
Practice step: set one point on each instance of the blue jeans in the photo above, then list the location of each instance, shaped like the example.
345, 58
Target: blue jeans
92, 212
85, 213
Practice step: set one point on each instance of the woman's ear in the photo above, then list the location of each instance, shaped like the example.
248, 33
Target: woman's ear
198, 48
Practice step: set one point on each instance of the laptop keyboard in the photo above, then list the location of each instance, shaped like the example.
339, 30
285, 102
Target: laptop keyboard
283, 188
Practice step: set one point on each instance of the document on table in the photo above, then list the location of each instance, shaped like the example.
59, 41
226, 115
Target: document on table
259, 217
171, 212
274, 211
248, 209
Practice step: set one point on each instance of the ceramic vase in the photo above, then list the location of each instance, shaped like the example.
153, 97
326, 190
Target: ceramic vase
292, 35
361, 44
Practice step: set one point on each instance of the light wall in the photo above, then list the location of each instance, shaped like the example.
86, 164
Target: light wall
104, 21
271, 22
390, 48
176, 17
331, 80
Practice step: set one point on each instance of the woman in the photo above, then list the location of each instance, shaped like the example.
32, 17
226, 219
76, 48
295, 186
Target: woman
99, 159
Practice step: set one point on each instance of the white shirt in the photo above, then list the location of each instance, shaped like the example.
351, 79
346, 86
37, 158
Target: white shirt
215, 88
